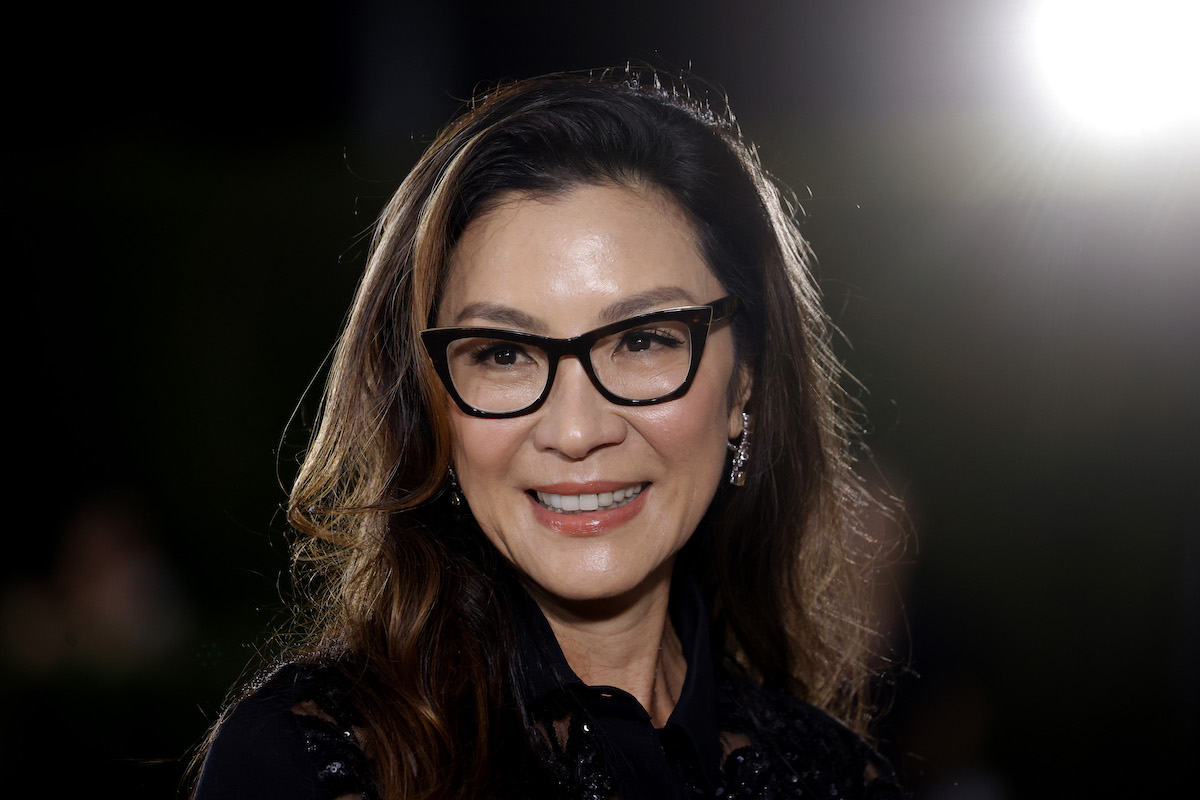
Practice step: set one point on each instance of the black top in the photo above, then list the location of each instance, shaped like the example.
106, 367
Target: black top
727, 737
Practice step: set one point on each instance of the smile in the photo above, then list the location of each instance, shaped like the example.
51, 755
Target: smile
579, 503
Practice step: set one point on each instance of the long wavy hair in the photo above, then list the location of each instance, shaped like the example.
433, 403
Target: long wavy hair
408, 598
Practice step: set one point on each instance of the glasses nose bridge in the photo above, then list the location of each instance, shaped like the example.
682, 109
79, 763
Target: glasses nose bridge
579, 348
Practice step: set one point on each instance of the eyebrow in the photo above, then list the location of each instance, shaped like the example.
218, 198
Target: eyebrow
646, 301
500, 315
633, 305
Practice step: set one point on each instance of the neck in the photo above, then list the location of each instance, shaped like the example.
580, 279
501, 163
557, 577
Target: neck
625, 642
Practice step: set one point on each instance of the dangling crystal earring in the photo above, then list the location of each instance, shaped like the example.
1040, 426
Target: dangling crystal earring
456, 498
737, 471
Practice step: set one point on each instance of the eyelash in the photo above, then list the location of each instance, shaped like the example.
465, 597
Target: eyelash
484, 352
659, 335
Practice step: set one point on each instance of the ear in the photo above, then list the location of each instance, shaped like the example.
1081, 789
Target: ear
745, 386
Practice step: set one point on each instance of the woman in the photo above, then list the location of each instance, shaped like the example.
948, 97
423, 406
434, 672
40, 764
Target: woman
580, 503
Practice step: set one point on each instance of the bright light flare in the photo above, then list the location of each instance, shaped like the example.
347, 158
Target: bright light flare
1122, 66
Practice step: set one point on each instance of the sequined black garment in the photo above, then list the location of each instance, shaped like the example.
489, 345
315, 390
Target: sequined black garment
727, 738
294, 738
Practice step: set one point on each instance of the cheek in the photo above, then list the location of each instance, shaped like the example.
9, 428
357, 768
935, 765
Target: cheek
482, 450
482, 458
691, 433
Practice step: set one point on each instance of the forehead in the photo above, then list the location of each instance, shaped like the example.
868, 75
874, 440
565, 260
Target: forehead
562, 260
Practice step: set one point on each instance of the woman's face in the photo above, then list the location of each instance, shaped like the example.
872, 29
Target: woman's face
561, 266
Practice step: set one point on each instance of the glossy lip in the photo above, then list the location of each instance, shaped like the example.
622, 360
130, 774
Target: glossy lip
587, 523
591, 487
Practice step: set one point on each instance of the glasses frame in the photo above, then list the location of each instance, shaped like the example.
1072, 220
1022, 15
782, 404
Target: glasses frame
699, 320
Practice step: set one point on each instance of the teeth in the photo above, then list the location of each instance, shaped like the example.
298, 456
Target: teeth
571, 503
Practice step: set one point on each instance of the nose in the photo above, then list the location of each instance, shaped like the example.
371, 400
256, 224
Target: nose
576, 420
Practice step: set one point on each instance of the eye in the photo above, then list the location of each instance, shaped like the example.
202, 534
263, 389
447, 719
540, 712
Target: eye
645, 339
501, 354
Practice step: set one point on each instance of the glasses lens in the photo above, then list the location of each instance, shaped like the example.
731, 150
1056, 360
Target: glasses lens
497, 375
644, 361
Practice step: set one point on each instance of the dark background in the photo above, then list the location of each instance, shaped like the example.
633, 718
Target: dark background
188, 190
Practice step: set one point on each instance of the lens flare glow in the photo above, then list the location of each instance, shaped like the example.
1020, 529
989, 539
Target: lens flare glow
1122, 66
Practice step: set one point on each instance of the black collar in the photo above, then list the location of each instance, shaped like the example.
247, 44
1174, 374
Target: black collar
546, 672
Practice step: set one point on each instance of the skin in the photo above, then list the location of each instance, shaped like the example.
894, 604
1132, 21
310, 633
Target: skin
560, 266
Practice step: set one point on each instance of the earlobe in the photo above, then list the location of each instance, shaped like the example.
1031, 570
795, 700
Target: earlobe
735, 422
741, 398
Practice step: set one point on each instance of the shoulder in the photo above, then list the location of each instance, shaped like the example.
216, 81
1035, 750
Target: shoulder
790, 739
292, 736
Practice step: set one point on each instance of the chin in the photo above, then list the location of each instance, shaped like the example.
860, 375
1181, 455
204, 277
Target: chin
575, 587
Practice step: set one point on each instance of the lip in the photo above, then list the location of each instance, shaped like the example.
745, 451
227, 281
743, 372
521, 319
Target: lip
591, 487
587, 523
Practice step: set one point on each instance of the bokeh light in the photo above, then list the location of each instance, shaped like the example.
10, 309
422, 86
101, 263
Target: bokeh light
1122, 68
